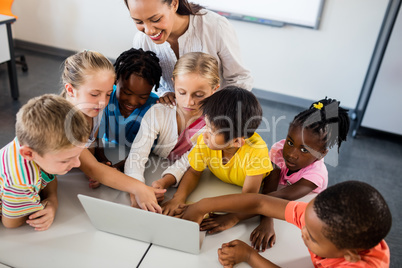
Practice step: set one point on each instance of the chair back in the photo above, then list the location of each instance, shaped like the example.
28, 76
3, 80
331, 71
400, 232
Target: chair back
5, 8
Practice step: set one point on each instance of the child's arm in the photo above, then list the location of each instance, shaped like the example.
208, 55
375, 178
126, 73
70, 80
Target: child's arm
163, 183
252, 184
41, 219
295, 191
145, 195
271, 182
152, 125
186, 187
100, 152
219, 223
263, 236
44, 218
101, 156
242, 203
237, 251
13, 222
174, 173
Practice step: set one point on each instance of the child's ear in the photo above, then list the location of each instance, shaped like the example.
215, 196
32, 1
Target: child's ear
352, 255
69, 90
238, 142
216, 88
26, 152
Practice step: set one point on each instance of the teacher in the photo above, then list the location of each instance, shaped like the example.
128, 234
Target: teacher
172, 28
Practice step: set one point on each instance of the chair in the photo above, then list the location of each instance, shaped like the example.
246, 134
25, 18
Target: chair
5, 9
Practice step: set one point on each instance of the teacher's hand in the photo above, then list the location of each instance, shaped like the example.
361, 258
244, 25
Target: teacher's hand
168, 99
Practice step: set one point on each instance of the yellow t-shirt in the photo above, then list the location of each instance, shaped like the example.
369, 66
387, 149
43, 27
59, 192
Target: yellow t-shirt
251, 159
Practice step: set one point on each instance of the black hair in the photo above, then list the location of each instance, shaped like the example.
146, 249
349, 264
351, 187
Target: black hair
355, 214
185, 7
327, 119
233, 111
142, 63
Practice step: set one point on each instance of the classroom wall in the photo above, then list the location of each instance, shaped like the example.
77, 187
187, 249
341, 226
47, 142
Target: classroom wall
294, 61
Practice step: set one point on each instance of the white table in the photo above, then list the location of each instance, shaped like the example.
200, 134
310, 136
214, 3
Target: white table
7, 52
289, 250
72, 241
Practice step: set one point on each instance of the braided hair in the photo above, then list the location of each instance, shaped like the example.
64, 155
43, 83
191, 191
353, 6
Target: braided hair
142, 63
327, 119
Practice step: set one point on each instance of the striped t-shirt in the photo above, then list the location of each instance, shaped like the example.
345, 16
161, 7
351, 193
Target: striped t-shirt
21, 181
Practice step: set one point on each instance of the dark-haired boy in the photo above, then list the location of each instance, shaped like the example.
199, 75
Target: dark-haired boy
344, 226
229, 146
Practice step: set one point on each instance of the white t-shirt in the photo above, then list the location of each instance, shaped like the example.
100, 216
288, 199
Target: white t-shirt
159, 123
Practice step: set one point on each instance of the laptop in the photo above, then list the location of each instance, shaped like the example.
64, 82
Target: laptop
143, 225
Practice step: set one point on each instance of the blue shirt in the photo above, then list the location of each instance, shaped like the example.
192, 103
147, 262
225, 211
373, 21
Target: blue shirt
120, 130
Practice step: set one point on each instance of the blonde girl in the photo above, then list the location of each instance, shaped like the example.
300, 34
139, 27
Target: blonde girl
88, 78
175, 129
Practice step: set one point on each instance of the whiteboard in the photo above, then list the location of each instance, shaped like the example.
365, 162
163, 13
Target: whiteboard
305, 13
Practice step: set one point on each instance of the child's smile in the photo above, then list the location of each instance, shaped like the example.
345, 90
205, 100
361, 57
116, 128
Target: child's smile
132, 93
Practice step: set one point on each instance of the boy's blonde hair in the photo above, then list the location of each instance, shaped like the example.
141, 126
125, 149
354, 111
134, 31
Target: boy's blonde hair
77, 66
198, 62
50, 123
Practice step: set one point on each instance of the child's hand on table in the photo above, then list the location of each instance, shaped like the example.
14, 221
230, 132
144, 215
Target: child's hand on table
43, 219
190, 213
159, 196
167, 99
133, 202
217, 223
170, 207
234, 252
263, 236
164, 183
145, 198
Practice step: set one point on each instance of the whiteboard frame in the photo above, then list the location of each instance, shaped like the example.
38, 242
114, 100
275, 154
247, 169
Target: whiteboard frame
264, 20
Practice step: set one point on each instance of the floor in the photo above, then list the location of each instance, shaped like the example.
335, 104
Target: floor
373, 157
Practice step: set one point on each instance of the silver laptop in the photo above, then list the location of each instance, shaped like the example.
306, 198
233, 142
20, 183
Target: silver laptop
143, 225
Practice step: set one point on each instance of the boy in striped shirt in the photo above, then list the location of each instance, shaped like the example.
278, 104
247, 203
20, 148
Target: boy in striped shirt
50, 135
